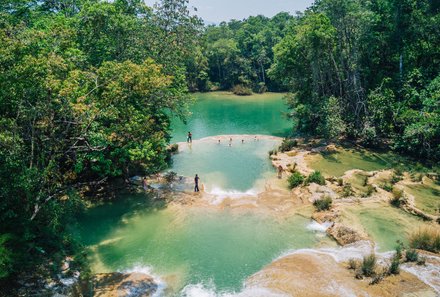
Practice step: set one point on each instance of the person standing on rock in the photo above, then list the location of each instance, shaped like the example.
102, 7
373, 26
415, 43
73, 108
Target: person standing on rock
280, 172
189, 138
196, 183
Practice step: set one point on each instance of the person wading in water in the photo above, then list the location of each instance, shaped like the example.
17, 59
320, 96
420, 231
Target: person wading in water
196, 183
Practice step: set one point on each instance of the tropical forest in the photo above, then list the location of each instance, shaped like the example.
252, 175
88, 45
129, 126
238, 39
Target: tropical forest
146, 150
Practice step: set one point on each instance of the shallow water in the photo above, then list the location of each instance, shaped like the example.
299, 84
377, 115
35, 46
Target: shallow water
386, 225
202, 251
335, 164
427, 196
221, 113
241, 167
214, 248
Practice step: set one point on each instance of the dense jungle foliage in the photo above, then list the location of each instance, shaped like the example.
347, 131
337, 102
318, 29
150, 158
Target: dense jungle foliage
363, 70
86, 93
87, 88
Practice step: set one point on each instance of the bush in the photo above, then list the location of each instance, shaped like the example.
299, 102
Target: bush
365, 181
353, 264
173, 148
340, 182
417, 177
399, 249
377, 279
394, 267
347, 190
398, 197
370, 190
273, 152
241, 90
427, 239
315, 177
295, 180
395, 179
261, 88
288, 145
387, 187
323, 203
411, 255
170, 176
368, 265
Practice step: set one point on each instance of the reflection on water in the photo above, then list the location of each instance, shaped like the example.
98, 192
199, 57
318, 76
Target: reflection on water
220, 113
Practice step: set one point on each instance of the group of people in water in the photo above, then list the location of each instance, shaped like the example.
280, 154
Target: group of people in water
197, 178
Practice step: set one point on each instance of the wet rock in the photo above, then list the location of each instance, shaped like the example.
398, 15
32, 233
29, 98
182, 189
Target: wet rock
344, 235
123, 285
317, 274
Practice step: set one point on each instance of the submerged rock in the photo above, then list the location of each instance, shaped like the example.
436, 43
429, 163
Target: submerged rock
123, 285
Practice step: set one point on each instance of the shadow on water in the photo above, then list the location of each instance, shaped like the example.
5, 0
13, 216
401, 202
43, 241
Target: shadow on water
100, 220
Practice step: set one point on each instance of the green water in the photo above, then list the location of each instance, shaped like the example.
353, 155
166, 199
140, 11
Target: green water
427, 197
386, 225
221, 113
217, 248
335, 164
199, 246
240, 167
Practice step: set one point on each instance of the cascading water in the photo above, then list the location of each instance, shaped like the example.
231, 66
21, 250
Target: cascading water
200, 251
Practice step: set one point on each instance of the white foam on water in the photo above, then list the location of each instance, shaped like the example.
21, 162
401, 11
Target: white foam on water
355, 250
200, 290
220, 194
161, 285
428, 273
315, 226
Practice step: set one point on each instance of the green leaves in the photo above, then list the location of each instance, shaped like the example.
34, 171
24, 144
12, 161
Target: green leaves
86, 90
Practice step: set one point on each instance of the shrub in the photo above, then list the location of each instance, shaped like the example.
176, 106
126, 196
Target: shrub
397, 193
353, 264
417, 177
323, 203
170, 176
261, 88
347, 190
387, 187
427, 239
288, 145
394, 267
173, 148
399, 249
368, 265
411, 255
370, 190
315, 177
295, 180
377, 279
340, 182
273, 152
398, 197
241, 90
365, 181
398, 171
395, 179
